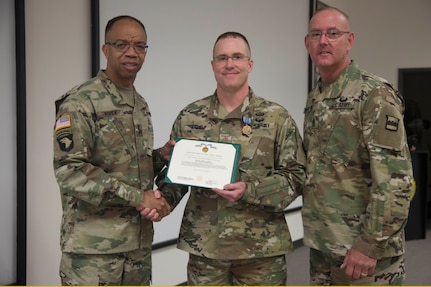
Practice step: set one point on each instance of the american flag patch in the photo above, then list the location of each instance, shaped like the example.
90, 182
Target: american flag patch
63, 122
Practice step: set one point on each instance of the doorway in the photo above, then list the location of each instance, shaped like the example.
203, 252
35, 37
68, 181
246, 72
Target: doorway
413, 83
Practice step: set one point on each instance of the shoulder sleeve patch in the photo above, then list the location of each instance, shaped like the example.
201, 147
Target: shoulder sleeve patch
392, 123
65, 142
63, 133
389, 131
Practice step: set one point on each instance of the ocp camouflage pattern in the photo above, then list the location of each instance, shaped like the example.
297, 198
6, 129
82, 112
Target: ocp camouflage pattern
271, 163
102, 167
359, 172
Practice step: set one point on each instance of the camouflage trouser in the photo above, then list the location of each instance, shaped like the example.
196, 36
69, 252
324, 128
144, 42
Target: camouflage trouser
325, 270
129, 268
260, 271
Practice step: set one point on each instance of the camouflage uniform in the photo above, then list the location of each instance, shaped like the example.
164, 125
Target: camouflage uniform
359, 172
271, 164
103, 145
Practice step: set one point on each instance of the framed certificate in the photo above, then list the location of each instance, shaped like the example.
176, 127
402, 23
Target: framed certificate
203, 163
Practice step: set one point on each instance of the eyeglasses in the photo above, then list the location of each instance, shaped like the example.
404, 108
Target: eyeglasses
235, 58
123, 46
331, 34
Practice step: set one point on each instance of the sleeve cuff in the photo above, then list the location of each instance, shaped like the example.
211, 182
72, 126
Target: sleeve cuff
367, 248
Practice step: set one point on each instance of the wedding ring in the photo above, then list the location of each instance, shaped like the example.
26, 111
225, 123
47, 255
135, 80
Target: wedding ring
364, 274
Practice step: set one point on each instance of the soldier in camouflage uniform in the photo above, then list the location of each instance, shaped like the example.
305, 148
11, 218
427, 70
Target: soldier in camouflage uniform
359, 172
105, 164
238, 235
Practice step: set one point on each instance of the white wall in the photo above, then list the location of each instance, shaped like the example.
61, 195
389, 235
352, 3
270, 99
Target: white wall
390, 34
58, 57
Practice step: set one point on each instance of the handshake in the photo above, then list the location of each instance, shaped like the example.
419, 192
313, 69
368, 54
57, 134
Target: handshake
154, 206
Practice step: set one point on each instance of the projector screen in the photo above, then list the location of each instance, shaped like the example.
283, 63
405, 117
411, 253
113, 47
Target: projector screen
177, 69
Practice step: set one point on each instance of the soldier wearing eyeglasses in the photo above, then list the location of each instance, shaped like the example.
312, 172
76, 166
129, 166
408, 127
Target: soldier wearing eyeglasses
359, 172
237, 235
105, 164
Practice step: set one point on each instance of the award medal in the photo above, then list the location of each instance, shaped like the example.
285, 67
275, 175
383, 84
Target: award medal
247, 128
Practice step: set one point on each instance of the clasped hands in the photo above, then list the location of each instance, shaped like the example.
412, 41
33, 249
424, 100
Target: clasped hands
154, 206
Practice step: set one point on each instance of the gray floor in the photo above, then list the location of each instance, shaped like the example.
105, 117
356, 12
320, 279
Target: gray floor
418, 259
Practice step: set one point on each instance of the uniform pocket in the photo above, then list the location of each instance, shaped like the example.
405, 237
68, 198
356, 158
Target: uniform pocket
114, 141
343, 137
257, 157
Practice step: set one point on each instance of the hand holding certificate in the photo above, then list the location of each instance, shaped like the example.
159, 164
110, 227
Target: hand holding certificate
203, 163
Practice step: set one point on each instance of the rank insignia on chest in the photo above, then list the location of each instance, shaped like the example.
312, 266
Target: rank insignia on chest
392, 123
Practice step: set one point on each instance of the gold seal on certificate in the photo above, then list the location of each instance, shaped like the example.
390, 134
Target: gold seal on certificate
203, 163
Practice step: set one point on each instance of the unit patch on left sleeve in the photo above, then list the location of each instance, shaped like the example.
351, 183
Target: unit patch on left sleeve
392, 123
63, 133
65, 141
388, 131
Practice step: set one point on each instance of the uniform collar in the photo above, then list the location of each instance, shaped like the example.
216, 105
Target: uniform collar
247, 107
117, 97
334, 89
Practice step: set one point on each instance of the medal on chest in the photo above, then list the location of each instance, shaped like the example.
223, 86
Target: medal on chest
246, 129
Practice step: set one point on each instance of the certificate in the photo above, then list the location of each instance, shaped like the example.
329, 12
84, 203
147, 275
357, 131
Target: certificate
203, 163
